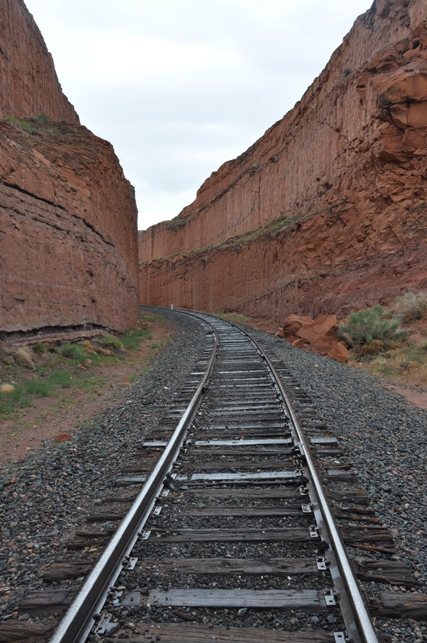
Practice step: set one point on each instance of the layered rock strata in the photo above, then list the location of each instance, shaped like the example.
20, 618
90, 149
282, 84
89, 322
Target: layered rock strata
327, 211
68, 235
68, 240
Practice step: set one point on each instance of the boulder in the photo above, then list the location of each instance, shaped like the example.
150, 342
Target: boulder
317, 335
7, 389
340, 353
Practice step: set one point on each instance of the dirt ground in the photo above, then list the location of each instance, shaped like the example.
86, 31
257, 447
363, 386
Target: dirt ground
51, 417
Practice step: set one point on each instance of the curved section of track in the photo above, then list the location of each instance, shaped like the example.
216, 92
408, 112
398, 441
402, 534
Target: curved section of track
239, 541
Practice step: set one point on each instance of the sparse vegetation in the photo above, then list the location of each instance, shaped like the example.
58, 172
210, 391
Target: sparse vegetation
282, 225
132, 339
371, 325
11, 401
406, 364
39, 388
176, 223
412, 305
347, 71
75, 352
75, 366
400, 355
40, 348
111, 342
29, 124
61, 378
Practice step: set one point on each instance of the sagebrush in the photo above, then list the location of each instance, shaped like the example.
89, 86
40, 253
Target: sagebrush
365, 326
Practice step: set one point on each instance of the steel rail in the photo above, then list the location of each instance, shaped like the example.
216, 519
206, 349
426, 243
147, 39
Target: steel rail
79, 619
361, 613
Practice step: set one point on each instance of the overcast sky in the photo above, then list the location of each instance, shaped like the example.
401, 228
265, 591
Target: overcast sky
181, 86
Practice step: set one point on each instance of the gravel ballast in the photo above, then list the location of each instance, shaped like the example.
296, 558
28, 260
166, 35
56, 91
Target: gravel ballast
47, 496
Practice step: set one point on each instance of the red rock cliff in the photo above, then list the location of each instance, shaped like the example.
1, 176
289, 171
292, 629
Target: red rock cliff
68, 236
28, 81
327, 211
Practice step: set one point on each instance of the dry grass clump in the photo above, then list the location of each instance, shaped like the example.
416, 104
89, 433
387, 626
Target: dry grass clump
412, 305
384, 348
407, 364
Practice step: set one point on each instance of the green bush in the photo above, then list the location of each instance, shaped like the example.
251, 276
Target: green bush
133, 338
23, 124
412, 305
368, 325
110, 342
40, 388
74, 352
42, 119
28, 124
60, 378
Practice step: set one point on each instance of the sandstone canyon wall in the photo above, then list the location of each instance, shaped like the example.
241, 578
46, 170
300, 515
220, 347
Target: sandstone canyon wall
68, 236
327, 211
28, 80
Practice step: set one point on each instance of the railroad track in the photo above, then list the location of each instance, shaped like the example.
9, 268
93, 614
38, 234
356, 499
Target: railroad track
232, 536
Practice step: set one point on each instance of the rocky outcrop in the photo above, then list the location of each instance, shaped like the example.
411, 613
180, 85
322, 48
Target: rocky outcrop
28, 82
315, 335
327, 211
68, 236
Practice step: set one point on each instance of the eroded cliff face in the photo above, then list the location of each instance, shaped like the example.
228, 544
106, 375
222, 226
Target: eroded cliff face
68, 239
68, 235
28, 81
327, 211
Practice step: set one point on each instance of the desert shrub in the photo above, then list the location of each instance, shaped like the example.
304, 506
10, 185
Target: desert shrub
368, 325
40, 348
40, 388
24, 357
372, 348
41, 119
74, 352
23, 124
110, 342
412, 305
60, 378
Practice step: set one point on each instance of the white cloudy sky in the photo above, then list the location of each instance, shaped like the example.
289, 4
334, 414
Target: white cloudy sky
181, 86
